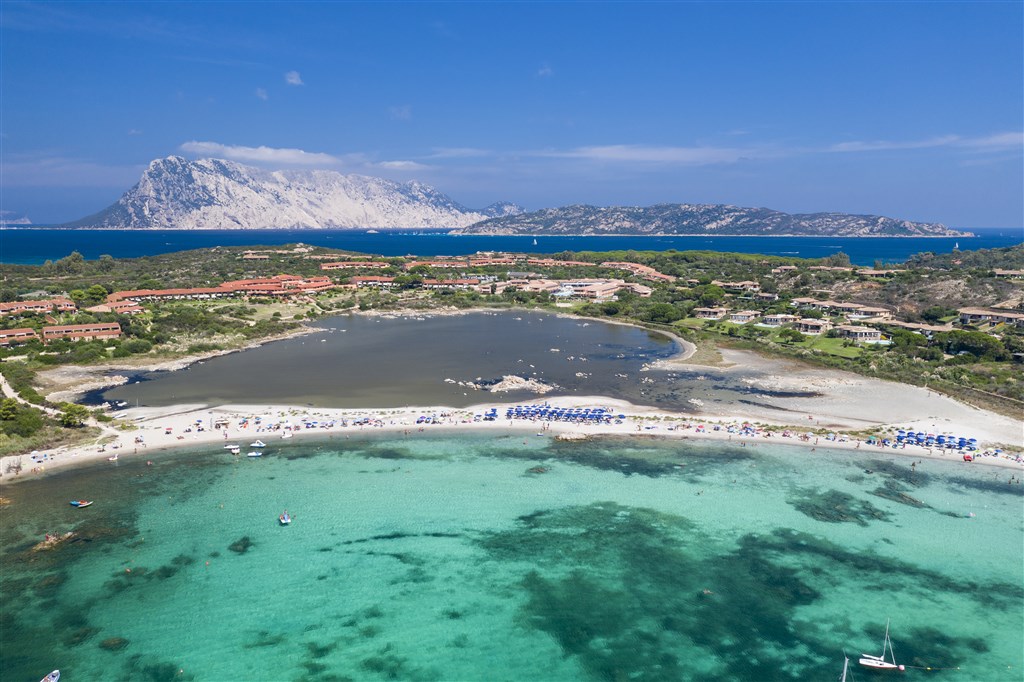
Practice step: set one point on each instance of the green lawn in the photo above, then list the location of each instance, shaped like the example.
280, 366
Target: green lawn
831, 346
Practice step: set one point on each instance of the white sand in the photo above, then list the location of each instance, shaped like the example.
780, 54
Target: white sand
847, 403
162, 429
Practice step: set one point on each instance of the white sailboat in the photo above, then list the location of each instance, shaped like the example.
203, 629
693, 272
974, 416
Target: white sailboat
535, 242
881, 662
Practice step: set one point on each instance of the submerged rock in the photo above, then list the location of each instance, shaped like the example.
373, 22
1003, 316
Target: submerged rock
114, 643
241, 545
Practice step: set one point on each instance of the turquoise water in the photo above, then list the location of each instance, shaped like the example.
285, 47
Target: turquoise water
494, 557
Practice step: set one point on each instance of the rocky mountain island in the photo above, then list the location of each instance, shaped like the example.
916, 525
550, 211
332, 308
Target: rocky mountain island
175, 193
701, 219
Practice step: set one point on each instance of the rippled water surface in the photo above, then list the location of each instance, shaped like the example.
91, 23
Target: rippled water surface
361, 362
502, 558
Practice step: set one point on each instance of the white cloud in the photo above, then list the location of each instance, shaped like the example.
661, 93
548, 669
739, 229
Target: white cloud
402, 113
995, 142
401, 165
262, 94
458, 153
259, 155
884, 145
998, 141
545, 71
692, 156
134, 131
293, 78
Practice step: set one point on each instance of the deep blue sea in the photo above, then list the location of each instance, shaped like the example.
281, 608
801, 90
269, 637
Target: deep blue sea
34, 246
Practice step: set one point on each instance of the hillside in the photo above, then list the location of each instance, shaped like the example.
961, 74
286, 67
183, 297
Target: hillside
700, 219
175, 193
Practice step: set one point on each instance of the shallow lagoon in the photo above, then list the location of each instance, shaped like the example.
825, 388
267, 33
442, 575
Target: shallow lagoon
447, 558
361, 362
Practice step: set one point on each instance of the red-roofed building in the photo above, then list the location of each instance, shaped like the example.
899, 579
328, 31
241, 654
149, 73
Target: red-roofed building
40, 306
353, 264
373, 281
79, 332
450, 283
278, 285
639, 270
9, 337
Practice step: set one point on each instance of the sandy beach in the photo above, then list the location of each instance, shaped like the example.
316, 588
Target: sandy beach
160, 429
844, 411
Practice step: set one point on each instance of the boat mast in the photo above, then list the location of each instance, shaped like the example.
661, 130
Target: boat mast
889, 643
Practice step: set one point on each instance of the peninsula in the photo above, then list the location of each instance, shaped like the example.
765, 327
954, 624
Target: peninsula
110, 317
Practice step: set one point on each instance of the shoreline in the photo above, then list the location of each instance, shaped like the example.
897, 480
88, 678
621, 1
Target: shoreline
457, 232
81, 379
847, 404
171, 428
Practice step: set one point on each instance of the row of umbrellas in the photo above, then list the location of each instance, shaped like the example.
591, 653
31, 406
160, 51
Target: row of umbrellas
940, 440
558, 413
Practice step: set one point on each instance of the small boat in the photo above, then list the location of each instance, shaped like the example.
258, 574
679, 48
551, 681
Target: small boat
286, 434
112, 458
257, 444
881, 662
285, 518
254, 453
80, 503
52, 677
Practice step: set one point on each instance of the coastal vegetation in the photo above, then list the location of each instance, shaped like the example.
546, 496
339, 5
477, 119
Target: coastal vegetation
666, 290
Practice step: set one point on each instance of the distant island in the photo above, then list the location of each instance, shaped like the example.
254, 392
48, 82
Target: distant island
214, 194
176, 193
701, 219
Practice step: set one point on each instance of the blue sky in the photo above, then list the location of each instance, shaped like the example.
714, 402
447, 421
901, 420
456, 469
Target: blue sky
907, 109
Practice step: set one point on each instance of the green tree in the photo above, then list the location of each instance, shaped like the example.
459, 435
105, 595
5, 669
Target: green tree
8, 409
837, 260
978, 344
711, 294
73, 415
18, 420
790, 335
96, 294
663, 313
935, 313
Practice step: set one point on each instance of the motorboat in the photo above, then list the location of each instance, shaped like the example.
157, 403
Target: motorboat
80, 503
881, 662
257, 444
254, 453
285, 518
52, 677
